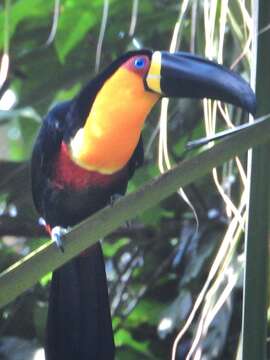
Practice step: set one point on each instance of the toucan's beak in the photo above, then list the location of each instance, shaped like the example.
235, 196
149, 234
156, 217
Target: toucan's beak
182, 74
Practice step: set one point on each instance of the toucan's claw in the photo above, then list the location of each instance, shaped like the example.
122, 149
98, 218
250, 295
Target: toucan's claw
42, 222
114, 198
128, 224
57, 233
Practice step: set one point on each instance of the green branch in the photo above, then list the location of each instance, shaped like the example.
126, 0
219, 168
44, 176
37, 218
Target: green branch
29, 270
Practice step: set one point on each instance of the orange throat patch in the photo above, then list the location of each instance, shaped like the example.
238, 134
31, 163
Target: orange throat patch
114, 124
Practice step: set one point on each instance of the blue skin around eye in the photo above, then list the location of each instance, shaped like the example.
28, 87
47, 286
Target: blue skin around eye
139, 63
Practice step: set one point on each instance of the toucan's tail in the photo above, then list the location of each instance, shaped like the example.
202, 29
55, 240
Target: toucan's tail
79, 321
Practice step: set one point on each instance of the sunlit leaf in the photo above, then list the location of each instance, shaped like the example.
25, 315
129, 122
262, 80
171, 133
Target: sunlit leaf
111, 249
124, 337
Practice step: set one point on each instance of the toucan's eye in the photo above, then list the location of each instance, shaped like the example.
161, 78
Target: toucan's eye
139, 63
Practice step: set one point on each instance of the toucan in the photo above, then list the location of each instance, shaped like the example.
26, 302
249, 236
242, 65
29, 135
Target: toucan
85, 153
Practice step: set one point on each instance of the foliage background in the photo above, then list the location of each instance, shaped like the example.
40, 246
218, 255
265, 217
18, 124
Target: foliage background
157, 267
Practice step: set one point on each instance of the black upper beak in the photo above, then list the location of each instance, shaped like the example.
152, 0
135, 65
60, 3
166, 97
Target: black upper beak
182, 74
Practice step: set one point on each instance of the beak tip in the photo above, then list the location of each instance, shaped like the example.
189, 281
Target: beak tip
250, 104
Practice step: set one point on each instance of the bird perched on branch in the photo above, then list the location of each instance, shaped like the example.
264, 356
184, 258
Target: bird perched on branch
85, 153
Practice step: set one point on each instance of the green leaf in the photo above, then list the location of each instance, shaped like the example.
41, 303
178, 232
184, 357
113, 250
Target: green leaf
74, 23
153, 216
28, 130
66, 94
24, 10
110, 250
116, 321
147, 311
46, 279
124, 337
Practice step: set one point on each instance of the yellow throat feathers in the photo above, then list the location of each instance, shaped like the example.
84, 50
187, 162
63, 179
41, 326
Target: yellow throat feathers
113, 126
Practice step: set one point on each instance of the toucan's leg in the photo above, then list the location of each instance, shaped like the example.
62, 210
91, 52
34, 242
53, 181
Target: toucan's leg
113, 199
57, 233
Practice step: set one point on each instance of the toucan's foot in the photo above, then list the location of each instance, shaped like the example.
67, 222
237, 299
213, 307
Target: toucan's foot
42, 222
114, 198
127, 224
57, 233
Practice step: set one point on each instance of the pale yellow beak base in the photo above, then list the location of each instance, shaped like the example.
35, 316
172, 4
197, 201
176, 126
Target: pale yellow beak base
153, 76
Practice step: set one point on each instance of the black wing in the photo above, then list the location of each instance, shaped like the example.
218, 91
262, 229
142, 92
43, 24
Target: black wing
45, 148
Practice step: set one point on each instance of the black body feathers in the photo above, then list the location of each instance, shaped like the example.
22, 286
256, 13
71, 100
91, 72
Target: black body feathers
79, 322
